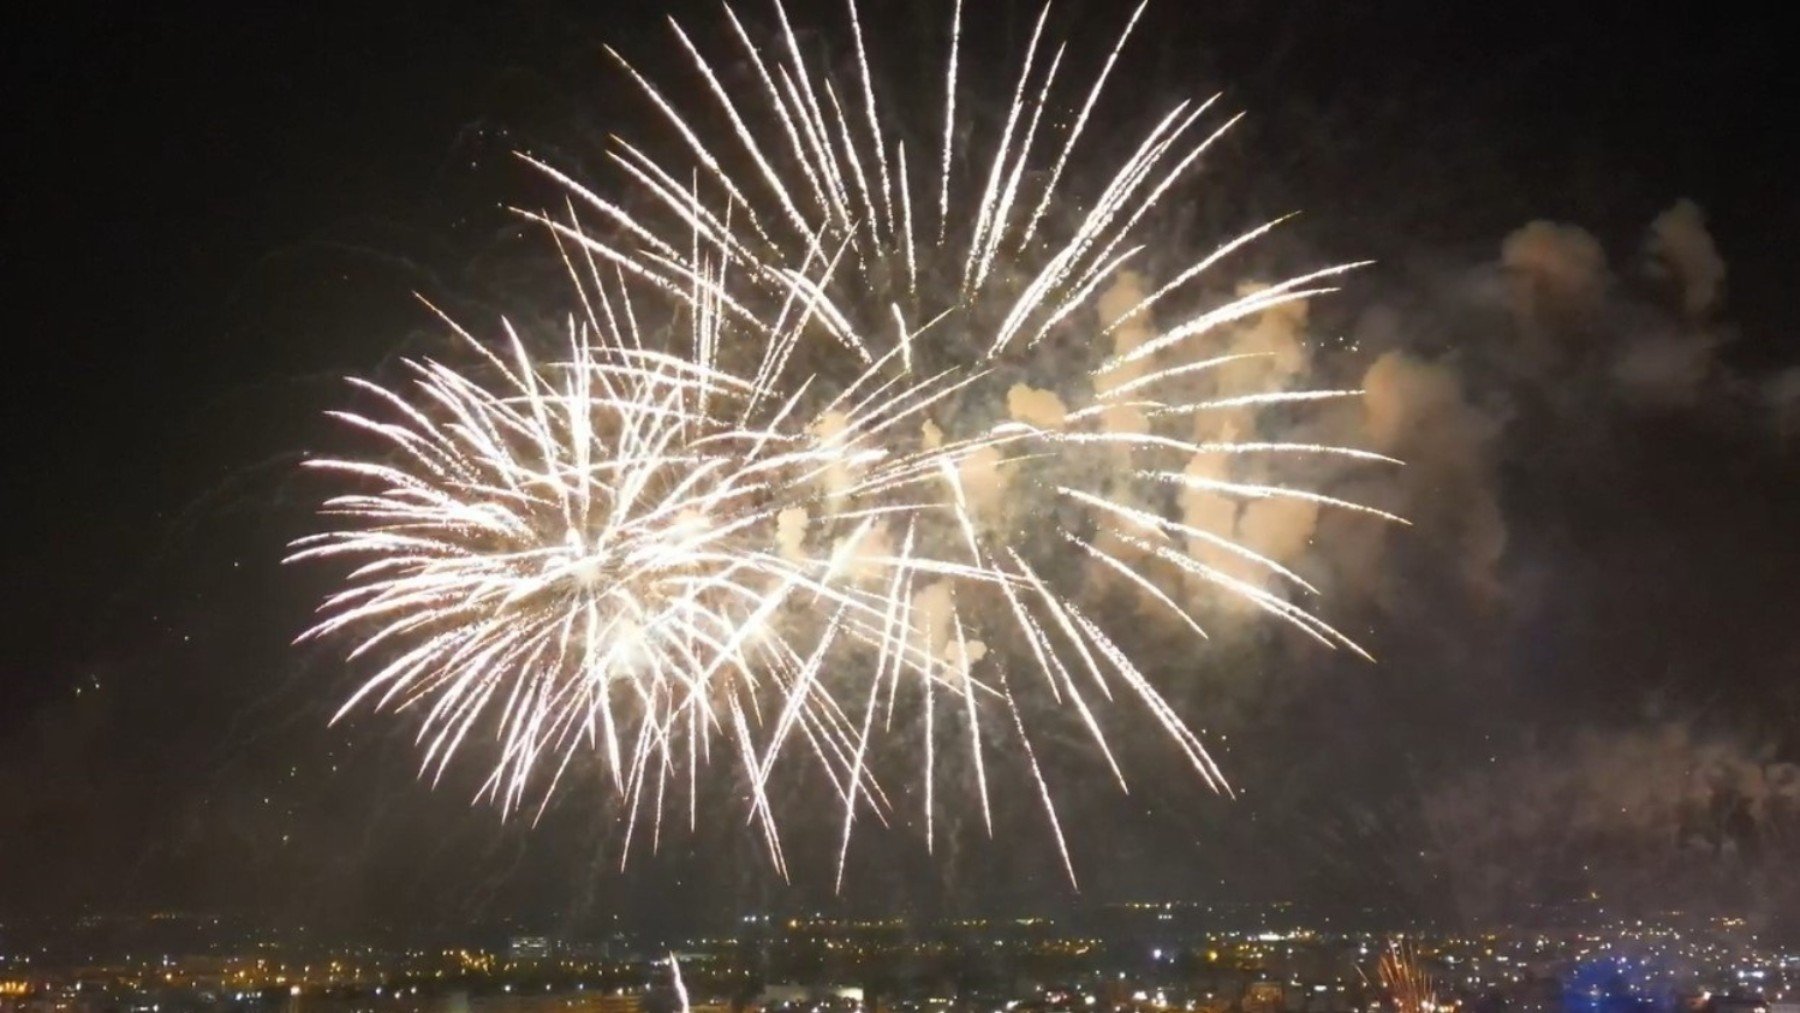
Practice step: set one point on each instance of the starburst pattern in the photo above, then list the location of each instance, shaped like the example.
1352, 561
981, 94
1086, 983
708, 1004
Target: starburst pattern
785, 476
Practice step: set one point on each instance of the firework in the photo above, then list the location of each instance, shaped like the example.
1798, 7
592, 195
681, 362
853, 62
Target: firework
1405, 979
786, 475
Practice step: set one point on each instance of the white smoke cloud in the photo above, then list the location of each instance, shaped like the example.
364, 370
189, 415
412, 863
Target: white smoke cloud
790, 533
1682, 249
1667, 368
1419, 411
1040, 408
1574, 332
1661, 813
1655, 348
1557, 279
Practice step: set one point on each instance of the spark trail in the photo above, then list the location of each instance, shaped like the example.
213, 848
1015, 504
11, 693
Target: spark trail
772, 487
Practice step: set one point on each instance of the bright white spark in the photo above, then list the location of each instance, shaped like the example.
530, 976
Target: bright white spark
764, 481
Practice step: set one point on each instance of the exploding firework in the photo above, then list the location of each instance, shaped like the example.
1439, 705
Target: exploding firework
1405, 979
787, 474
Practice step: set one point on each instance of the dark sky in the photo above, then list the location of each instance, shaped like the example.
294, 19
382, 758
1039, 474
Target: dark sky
214, 212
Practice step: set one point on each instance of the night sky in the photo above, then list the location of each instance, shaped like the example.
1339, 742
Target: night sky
215, 213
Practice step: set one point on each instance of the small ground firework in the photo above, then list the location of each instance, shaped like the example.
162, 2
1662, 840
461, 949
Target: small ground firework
1405, 979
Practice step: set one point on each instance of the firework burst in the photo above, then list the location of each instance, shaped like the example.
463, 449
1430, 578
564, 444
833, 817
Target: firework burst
1406, 981
787, 476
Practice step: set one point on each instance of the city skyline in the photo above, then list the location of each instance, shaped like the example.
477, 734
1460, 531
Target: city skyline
1575, 333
